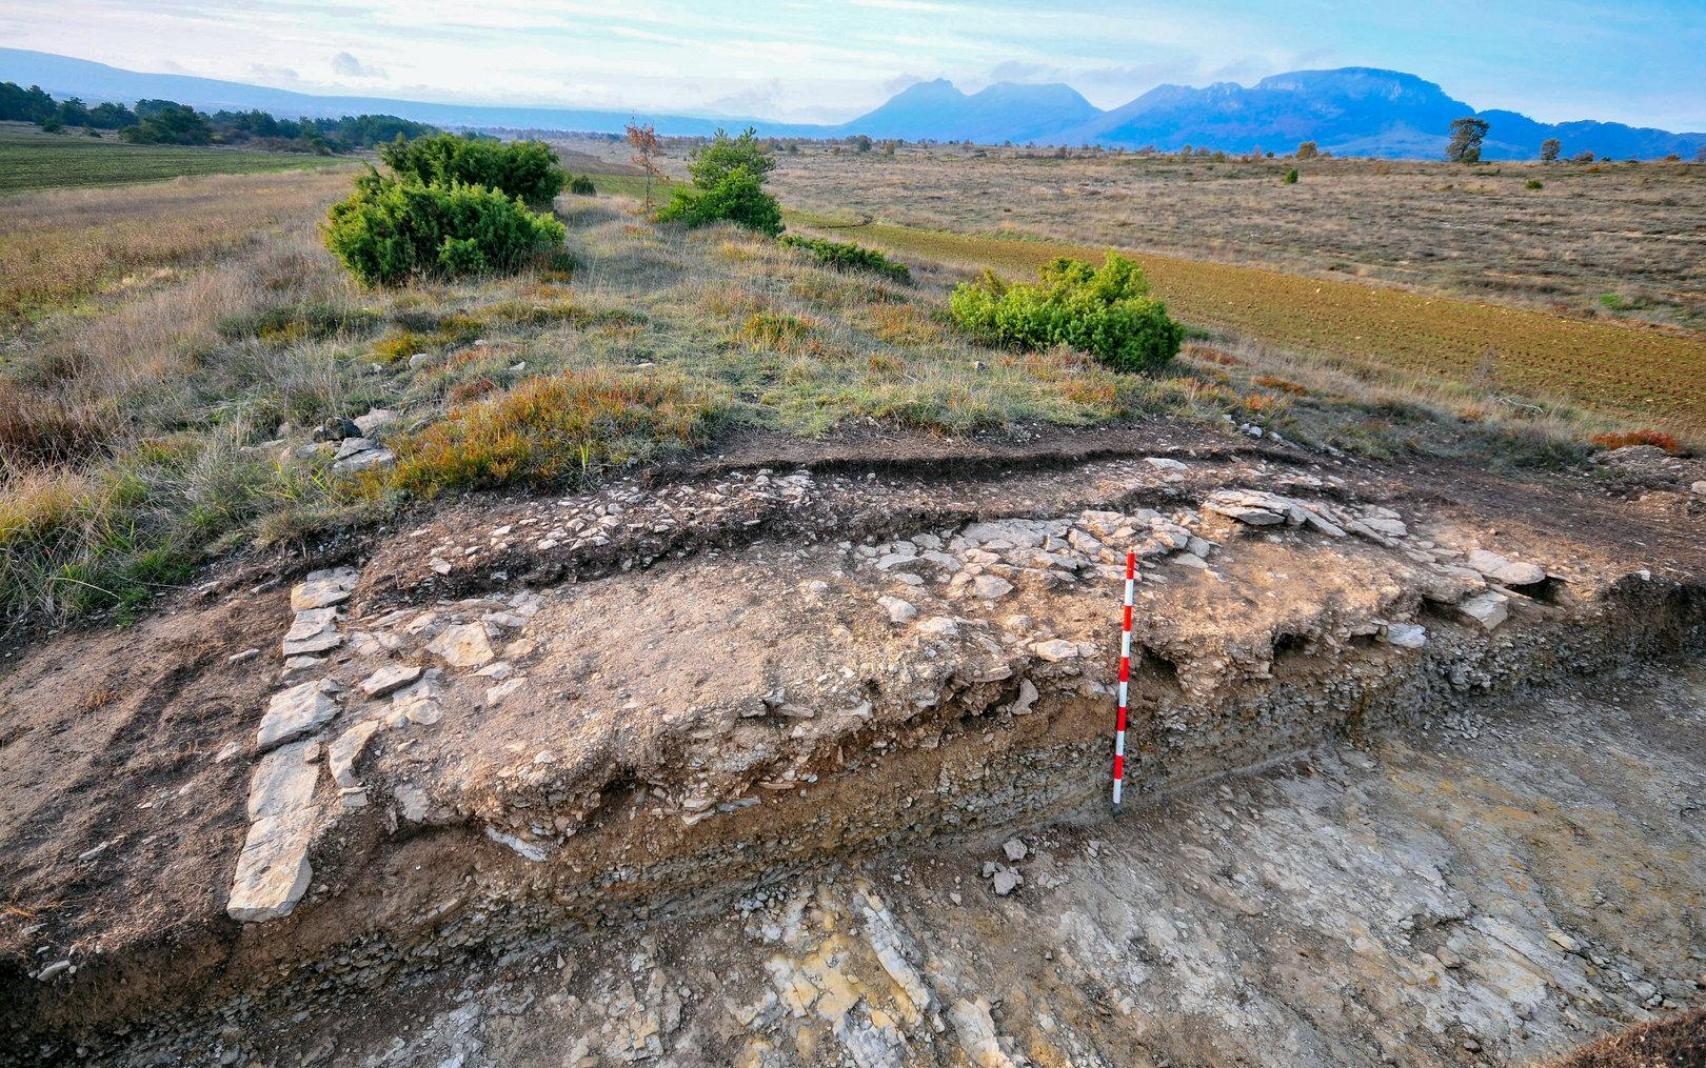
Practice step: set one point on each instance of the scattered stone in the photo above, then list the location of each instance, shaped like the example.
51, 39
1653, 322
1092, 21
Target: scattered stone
1163, 463
375, 420
365, 460
1505, 571
417, 704
524, 848
411, 802
1005, 881
991, 587
295, 712
245, 655
1015, 849
939, 627
1055, 650
337, 428
1021, 706
1191, 560
321, 589
1699, 488
343, 754
496, 694
1389, 526
899, 611
389, 679
54, 970
1406, 635
464, 646
1489, 608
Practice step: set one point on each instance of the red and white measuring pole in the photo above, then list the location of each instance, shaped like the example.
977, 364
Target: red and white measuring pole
1125, 678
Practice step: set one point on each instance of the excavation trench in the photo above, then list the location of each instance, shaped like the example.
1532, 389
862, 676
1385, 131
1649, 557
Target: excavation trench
573, 760
424, 901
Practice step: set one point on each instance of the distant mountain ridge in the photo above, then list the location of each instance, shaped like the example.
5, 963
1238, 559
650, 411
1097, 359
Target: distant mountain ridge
1361, 111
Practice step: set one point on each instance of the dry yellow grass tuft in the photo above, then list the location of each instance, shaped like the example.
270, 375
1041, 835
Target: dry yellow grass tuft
550, 431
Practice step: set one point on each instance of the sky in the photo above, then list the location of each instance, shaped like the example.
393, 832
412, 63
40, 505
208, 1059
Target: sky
1635, 61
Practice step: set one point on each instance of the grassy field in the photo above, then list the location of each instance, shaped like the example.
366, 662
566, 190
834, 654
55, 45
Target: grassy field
61, 246
1639, 374
167, 349
152, 419
1607, 240
30, 159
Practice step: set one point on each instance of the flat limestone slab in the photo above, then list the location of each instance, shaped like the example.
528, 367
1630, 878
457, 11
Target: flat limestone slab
273, 869
282, 782
322, 589
294, 712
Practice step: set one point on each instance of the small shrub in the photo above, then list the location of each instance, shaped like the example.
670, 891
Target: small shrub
728, 186
390, 232
553, 431
1534, 183
738, 197
581, 186
1104, 311
1622, 439
845, 254
525, 169
1290, 177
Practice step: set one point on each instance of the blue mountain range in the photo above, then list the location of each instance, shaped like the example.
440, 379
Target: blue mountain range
1353, 111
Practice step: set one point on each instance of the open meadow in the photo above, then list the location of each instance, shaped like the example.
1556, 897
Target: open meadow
31, 159
1441, 325
1613, 240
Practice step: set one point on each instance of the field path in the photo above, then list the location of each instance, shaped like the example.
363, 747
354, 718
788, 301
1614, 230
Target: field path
1649, 376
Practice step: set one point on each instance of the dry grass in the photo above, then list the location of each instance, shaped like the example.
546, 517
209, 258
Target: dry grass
61, 246
1622, 371
159, 421
554, 431
1609, 240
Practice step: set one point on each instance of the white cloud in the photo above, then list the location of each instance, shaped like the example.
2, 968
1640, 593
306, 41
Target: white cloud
347, 66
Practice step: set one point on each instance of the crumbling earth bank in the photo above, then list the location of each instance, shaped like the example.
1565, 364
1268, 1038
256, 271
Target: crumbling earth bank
604, 721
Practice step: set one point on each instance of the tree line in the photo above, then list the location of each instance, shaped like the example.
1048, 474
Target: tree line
167, 122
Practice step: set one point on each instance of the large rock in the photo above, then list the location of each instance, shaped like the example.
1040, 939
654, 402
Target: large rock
342, 754
464, 646
283, 781
1249, 506
1488, 609
273, 870
390, 678
1505, 571
295, 712
322, 589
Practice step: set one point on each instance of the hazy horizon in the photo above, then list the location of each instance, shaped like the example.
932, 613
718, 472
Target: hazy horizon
794, 62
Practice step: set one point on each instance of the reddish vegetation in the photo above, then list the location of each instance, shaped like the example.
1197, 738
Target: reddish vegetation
1281, 384
1624, 438
1679, 1042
